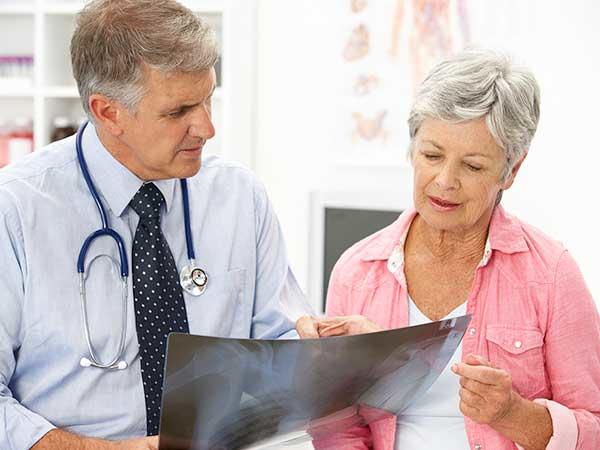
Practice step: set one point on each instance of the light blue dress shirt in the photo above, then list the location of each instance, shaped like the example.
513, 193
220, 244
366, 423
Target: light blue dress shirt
46, 212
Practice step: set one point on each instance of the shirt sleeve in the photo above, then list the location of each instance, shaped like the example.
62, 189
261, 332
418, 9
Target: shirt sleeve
572, 347
20, 428
279, 302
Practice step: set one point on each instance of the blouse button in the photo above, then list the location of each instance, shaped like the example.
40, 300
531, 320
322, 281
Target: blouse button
518, 344
472, 331
478, 447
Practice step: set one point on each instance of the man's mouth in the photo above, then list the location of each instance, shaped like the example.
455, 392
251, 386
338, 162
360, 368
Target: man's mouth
192, 148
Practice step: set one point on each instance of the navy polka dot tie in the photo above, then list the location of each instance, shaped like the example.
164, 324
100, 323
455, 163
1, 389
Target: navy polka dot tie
158, 300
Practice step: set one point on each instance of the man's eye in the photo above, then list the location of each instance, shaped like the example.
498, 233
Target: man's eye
431, 156
177, 113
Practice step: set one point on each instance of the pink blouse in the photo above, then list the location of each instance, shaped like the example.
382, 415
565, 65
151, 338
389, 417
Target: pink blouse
532, 315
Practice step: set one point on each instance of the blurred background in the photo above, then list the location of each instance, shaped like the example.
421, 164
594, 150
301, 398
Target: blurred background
314, 95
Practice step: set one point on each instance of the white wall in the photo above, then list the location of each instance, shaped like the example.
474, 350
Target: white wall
558, 188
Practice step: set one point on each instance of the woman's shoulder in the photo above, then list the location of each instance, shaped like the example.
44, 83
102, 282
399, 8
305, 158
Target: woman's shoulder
525, 247
358, 261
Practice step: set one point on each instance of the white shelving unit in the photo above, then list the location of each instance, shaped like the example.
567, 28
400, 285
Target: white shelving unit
43, 28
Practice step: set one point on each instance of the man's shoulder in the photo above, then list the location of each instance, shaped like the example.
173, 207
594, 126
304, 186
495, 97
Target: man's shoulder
215, 163
34, 169
234, 175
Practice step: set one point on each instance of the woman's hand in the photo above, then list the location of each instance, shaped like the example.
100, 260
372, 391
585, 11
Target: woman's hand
486, 393
346, 326
315, 327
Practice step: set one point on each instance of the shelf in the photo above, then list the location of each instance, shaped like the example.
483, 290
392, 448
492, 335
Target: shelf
60, 92
43, 29
17, 8
16, 92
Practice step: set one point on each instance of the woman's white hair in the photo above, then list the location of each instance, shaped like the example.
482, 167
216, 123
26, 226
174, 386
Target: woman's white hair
114, 40
482, 83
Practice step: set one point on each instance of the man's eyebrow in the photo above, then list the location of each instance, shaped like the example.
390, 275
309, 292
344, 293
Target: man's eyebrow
184, 105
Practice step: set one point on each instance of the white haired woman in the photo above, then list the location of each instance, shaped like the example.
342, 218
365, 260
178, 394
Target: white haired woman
527, 373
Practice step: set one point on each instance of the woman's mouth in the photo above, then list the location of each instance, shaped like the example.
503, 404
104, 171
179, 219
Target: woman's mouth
442, 205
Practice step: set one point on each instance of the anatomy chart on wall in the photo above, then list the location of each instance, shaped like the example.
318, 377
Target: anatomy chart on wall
386, 48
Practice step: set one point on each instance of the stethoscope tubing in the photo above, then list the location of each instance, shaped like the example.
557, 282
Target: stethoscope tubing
106, 230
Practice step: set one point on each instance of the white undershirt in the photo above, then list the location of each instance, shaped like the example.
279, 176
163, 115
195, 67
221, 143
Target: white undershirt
434, 421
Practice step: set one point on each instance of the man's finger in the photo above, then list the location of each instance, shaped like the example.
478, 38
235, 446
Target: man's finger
306, 326
332, 325
330, 321
334, 330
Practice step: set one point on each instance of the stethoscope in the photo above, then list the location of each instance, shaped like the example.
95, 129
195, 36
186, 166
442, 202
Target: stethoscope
191, 278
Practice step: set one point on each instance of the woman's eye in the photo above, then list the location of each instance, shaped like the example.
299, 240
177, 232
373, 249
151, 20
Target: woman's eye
473, 168
431, 156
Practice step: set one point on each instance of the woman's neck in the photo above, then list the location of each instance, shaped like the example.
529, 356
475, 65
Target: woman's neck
446, 246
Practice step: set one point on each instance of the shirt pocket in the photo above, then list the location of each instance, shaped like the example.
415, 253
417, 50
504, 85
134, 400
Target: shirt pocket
519, 351
219, 310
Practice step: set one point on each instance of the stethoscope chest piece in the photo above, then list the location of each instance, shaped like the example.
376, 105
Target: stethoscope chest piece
193, 279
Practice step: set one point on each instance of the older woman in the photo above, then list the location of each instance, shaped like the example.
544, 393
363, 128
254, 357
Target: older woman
527, 373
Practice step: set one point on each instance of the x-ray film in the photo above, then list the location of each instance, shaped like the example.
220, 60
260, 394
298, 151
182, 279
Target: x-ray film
229, 394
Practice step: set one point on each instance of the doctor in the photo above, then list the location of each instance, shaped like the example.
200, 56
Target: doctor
82, 354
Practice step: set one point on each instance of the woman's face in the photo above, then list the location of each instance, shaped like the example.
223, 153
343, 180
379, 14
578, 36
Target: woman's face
458, 170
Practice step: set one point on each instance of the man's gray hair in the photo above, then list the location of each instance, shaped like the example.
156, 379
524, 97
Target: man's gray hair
114, 40
482, 83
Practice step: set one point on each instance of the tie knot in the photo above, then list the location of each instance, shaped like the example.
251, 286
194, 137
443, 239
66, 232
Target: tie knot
147, 202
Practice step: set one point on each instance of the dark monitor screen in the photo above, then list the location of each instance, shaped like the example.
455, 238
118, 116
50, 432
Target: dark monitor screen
345, 227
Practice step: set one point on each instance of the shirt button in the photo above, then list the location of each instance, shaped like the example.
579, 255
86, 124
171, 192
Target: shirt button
472, 331
478, 447
518, 344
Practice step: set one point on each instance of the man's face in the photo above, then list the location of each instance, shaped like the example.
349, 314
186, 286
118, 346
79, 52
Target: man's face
163, 139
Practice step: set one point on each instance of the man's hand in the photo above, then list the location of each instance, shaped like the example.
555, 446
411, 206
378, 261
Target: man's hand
148, 443
63, 440
307, 327
486, 393
315, 327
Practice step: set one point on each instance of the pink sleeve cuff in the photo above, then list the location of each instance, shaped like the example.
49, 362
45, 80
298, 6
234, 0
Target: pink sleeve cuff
564, 425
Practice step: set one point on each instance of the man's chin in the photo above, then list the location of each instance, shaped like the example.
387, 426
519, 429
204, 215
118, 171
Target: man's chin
189, 170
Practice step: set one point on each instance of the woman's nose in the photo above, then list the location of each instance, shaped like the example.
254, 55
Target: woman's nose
447, 178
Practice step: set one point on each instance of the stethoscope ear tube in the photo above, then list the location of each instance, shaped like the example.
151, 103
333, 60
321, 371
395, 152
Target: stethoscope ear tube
96, 234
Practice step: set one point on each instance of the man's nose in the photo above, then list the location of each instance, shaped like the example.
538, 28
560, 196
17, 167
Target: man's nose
201, 125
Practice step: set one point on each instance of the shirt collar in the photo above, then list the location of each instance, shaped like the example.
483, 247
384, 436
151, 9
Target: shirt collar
114, 182
505, 235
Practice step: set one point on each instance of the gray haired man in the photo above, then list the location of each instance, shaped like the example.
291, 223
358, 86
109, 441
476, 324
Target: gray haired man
145, 73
